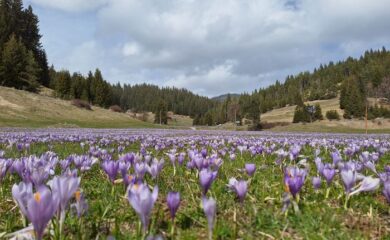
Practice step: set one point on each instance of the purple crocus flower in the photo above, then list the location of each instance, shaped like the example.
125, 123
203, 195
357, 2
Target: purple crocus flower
64, 188
140, 169
204, 152
198, 162
328, 172
5, 164
336, 157
319, 164
210, 209
386, 191
173, 202
316, 181
142, 200
111, 168
294, 152
384, 176
39, 207
206, 178
370, 165
64, 164
155, 168
129, 179
240, 187
349, 179
124, 167
81, 205
294, 178
368, 184
128, 157
172, 157
181, 158
250, 169
39, 174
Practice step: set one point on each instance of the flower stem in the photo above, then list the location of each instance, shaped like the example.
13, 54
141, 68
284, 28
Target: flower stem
235, 221
173, 229
346, 202
327, 193
296, 207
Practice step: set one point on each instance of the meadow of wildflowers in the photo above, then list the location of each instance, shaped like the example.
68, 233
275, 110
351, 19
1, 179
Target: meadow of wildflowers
179, 184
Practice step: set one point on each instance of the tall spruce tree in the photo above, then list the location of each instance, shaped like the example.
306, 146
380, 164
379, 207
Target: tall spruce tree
161, 113
23, 24
63, 83
18, 68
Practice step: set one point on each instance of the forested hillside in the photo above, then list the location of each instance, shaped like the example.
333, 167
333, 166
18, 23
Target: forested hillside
23, 65
368, 76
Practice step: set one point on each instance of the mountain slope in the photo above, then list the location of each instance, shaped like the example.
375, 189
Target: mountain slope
24, 109
286, 115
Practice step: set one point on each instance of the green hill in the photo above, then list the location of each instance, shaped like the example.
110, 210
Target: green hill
24, 109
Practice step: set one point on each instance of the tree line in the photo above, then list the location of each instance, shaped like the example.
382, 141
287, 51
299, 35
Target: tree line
23, 61
353, 79
136, 98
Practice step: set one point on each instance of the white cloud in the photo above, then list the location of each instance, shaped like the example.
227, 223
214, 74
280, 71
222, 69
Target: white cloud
219, 79
71, 5
215, 46
131, 49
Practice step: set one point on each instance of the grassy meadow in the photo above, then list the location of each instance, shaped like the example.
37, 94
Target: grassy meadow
260, 216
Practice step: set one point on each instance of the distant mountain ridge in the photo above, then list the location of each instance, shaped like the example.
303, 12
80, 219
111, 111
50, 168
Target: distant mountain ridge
223, 97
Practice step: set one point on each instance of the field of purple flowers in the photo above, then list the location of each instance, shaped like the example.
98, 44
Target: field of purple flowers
177, 184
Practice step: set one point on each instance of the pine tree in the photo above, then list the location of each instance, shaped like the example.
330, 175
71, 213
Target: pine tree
161, 114
208, 119
77, 86
63, 84
89, 86
318, 112
52, 77
5, 22
99, 88
18, 67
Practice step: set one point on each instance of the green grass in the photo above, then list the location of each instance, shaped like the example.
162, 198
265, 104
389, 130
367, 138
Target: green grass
24, 109
64, 123
259, 217
318, 127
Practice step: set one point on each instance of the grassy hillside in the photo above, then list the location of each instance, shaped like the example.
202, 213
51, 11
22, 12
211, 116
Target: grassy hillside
286, 115
24, 109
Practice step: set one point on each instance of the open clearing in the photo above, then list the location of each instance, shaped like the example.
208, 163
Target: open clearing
24, 109
286, 114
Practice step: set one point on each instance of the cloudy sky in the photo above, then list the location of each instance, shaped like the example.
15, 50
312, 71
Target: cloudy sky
208, 46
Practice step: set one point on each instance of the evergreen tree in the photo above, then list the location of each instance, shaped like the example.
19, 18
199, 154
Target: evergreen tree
353, 99
77, 86
318, 112
52, 77
161, 113
99, 88
301, 114
63, 83
23, 25
18, 68
90, 87
208, 119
